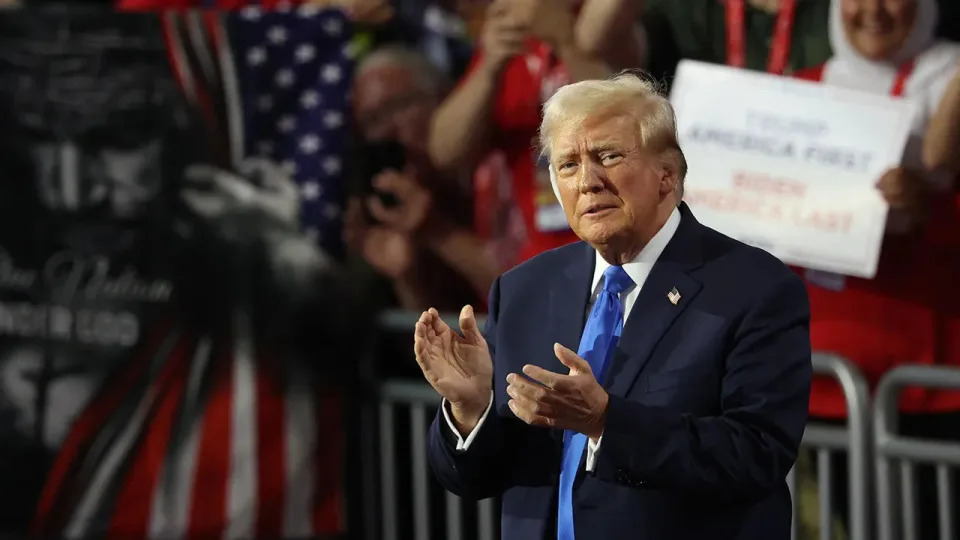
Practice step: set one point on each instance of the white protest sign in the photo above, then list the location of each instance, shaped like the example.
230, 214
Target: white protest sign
789, 166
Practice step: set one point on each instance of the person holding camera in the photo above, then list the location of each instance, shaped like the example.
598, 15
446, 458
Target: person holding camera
405, 221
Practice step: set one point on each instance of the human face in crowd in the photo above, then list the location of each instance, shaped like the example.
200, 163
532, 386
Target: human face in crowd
615, 193
878, 28
390, 104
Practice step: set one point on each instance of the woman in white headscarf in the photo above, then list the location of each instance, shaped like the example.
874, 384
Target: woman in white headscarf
910, 312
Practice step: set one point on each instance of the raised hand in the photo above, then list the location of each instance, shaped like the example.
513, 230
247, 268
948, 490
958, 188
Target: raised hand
256, 200
552, 21
575, 401
906, 193
458, 367
502, 37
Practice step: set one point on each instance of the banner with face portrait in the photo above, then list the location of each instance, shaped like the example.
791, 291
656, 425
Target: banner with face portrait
162, 327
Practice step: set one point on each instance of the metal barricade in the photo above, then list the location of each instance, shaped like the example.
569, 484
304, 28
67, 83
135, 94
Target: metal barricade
854, 439
891, 448
421, 402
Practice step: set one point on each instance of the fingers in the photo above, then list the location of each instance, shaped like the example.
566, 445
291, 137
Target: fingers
423, 335
236, 188
528, 389
524, 412
269, 175
542, 376
571, 360
468, 323
437, 323
388, 216
420, 343
204, 203
396, 183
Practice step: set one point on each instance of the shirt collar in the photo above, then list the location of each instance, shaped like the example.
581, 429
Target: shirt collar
639, 268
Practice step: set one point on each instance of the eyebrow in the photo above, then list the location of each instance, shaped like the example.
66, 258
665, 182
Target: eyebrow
605, 146
602, 146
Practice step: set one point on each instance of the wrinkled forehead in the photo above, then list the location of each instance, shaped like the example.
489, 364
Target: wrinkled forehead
606, 130
381, 83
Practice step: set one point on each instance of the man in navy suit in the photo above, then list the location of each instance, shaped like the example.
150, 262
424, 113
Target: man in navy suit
681, 411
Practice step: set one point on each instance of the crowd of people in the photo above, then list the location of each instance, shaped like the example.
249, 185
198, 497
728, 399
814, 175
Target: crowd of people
444, 188
525, 50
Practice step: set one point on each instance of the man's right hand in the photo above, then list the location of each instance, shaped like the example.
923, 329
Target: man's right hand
458, 367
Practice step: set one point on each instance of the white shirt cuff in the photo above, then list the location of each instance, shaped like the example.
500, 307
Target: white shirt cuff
464, 444
592, 449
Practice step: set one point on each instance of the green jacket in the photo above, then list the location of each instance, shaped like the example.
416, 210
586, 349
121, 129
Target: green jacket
696, 30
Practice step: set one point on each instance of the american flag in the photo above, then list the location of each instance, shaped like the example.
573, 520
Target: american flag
294, 68
255, 450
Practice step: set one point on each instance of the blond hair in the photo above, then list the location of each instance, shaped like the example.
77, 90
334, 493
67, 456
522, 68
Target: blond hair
634, 94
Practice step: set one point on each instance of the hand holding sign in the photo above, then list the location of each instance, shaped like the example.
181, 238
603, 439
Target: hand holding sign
792, 166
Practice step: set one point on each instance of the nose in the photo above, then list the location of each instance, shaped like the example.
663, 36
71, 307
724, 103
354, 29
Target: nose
871, 8
591, 178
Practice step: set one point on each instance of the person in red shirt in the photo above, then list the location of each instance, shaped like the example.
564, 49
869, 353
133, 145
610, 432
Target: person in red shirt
909, 313
528, 49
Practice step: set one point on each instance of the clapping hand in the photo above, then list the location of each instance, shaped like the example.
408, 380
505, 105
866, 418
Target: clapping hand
458, 367
575, 401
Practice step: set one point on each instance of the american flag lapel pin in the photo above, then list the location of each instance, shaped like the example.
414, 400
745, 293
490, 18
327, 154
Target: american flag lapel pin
673, 296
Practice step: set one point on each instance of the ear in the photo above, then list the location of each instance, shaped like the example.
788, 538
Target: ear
669, 176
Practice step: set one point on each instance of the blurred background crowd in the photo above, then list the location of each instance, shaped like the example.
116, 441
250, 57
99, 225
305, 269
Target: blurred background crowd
205, 205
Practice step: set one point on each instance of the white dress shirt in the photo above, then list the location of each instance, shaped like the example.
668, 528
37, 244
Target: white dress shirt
638, 269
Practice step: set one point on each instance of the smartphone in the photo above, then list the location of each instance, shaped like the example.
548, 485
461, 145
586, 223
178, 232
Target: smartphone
371, 159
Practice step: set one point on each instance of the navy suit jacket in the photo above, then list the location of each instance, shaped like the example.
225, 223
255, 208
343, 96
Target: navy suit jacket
708, 397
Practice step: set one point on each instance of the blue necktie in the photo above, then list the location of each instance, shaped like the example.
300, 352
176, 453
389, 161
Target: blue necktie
600, 337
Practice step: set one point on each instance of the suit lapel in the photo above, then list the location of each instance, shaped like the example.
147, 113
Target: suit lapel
568, 302
568, 310
653, 312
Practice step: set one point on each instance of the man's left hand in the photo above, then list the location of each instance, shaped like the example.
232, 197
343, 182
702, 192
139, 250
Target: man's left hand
575, 401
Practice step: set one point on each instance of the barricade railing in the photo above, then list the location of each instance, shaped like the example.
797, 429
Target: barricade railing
421, 401
827, 440
899, 454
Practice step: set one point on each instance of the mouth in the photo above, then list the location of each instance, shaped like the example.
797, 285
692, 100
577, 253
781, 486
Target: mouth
874, 29
598, 209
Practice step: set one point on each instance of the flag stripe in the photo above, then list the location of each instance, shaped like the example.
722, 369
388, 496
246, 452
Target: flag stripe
171, 508
271, 444
178, 60
328, 509
92, 513
133, 504
208, 501
50, 511
242, 489
301, 446
231, 88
